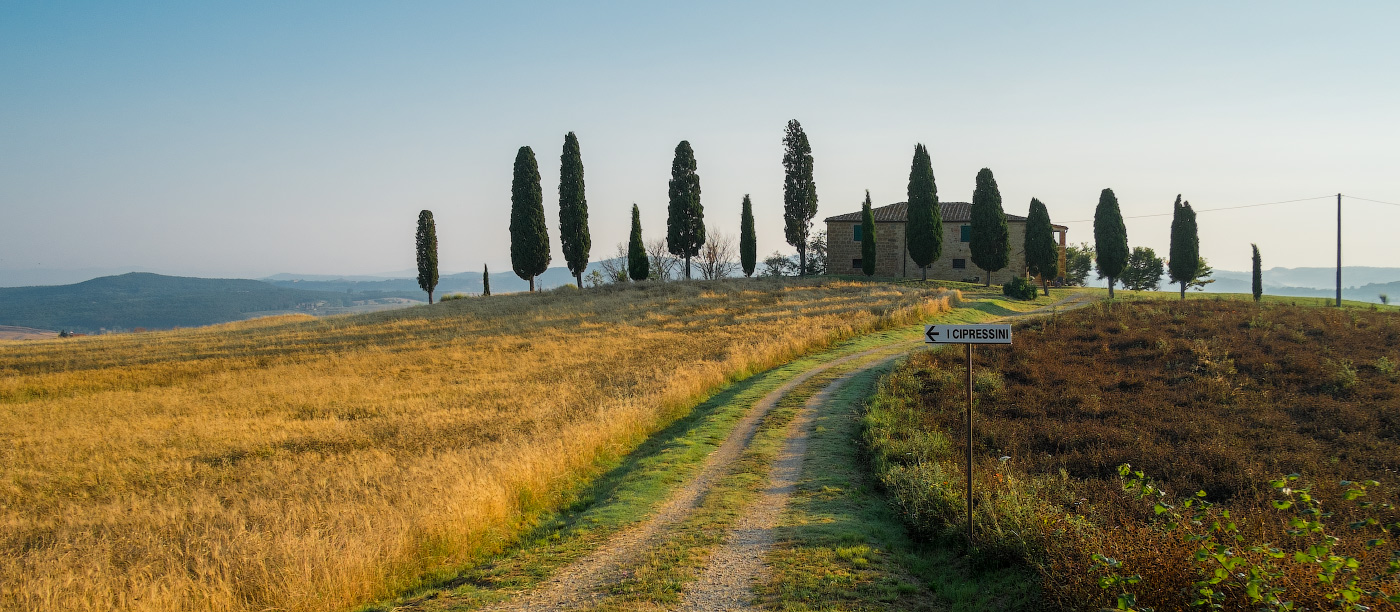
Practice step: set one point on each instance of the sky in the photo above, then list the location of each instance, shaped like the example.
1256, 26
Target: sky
244, 139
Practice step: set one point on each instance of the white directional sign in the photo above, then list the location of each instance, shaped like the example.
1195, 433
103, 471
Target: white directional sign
967, 334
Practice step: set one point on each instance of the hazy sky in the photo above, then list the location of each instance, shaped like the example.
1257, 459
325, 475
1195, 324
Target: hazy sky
250, 138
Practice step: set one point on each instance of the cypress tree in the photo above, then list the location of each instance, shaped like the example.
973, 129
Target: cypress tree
427, 253
991, 239
799, 191
924, 230
1257, 287
573, 210
1185, 249
1042, 257
1110, 239
529, 236
748, 239
685, 221
867, 237
637, 264
485, 280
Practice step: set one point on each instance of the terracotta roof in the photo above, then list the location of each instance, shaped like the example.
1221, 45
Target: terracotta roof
953, 212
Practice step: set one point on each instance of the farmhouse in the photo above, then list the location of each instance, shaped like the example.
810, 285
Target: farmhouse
843, 245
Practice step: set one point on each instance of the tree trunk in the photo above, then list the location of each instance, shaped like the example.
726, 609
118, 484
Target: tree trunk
1111, 280
532, 284
925, 269
989, 277
801, 262
687, 267
578, 278
430, 297
1045, 284
1183, 290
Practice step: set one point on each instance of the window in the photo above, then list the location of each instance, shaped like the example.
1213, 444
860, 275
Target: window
960, 264
855, 263
966, 234
857, 233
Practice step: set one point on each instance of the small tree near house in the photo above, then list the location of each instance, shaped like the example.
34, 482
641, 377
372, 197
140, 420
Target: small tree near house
1144, 270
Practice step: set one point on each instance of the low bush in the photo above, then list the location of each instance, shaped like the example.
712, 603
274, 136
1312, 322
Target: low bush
1019, 289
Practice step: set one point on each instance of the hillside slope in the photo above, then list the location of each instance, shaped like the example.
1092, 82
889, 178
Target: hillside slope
141, 299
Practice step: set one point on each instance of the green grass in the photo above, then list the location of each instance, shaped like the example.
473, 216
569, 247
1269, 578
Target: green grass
843, 547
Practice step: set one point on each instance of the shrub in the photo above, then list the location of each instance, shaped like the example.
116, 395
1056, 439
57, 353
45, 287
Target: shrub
452, 296
1019, 289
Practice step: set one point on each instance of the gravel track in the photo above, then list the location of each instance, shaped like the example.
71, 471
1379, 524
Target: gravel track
581, 583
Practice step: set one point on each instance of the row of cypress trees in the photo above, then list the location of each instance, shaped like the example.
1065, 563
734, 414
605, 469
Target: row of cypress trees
685, 226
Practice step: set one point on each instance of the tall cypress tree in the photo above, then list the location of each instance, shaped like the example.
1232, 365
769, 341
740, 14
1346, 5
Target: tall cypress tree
685, 221
529, 235
1185, 251
924, 230
573, 210
485, 280
637, 264
1110, 239
799, 191
991, 239
1257, 287
748, 238
427, 253
867, 237
1042, 256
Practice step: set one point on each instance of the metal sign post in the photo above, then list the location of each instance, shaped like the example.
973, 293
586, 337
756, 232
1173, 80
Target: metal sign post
968, 335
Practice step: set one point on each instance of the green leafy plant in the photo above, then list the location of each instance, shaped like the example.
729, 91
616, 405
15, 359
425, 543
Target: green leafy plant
1019, 288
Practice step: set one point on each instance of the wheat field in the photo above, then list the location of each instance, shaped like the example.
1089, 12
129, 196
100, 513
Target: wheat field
305, 464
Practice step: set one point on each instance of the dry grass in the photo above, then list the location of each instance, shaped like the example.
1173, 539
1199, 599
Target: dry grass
1214, 396
312, 464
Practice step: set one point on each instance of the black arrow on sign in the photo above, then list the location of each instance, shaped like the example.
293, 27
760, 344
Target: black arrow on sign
929, 333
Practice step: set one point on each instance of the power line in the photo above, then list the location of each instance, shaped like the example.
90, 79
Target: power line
1229, 208
1366, 200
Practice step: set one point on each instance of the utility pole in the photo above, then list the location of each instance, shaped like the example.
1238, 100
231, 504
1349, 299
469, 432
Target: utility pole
1339, 250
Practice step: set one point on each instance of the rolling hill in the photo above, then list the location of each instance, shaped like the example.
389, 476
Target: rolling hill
141, 299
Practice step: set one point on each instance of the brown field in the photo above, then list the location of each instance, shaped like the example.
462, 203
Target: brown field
1221, 397
312, 464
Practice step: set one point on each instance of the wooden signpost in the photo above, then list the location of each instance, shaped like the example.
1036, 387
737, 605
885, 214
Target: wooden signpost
968, 335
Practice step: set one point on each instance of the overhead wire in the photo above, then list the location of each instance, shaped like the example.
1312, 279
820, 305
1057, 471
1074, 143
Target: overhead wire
1370, 200
1167, 214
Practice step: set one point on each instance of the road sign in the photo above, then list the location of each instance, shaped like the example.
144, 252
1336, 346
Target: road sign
967, 334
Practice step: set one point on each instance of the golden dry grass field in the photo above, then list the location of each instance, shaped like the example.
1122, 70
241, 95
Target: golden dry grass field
304, 464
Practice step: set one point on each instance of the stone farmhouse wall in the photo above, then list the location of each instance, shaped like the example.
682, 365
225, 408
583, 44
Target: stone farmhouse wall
843, 253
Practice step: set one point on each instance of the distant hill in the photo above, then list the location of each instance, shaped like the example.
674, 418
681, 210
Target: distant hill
153, 301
